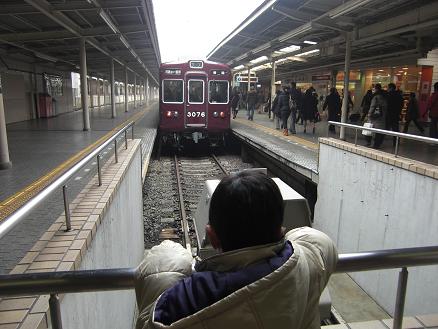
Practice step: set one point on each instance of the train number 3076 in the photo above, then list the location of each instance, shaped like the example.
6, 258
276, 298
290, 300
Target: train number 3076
196, 114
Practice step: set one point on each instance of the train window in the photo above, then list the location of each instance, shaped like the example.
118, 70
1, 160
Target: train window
173, 91
218, 92
196, 91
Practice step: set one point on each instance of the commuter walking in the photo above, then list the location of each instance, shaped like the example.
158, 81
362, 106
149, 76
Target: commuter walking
349, 102
295, 100
299, 119
432, 108
366, 103
310, 108
283, 104
276, 110
333, 103
412, 114
251, 100
235, 102
395, 106
260, 101
377, 114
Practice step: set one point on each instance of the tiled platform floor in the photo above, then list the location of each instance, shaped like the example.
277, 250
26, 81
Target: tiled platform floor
38, 146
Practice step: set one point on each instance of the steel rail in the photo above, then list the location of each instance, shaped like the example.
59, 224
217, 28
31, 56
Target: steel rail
216, 160
16, 217
182, 208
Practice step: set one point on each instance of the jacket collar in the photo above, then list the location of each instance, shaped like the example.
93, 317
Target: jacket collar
237, 259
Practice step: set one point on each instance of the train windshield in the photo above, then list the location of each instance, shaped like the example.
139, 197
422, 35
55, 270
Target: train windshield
218, 92
196, 91
173, 91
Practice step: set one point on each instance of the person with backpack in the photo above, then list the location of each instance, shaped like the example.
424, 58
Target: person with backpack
283, 105
377, 114
432, 108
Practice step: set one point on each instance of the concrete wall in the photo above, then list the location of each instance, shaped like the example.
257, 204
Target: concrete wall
118, 243
365, 204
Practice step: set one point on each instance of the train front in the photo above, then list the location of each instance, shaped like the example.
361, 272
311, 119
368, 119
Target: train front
194, 102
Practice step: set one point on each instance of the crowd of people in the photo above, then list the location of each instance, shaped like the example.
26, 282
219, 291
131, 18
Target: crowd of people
380, 109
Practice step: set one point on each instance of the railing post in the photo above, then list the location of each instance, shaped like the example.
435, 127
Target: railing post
397, 141
99, 173
55, 311
132, 131
355, 138
115, 151
126, 139
66, 208
400, 299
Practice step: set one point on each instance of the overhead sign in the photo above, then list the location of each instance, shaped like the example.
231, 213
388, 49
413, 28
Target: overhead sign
321, 77
244, 78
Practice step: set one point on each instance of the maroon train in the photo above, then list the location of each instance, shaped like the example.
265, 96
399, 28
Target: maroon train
194, 102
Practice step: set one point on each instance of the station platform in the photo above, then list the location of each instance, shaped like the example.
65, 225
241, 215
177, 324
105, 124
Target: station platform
41, 150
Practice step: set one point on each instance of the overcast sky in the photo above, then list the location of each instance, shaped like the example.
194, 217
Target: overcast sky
190, 29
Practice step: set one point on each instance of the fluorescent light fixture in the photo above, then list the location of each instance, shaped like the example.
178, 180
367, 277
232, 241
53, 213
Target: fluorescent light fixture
241, 27
347, 7
308, 52
290, 49
259, 59
238, 67
108, 21
261, 48
296, 32
124, 41
310, 42
262, 67
46, 57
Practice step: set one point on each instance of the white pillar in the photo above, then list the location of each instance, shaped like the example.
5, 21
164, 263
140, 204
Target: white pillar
5, 162
135, 90
84, 86
249, 79
112, 91
98, 93
148, 96
126, 89
274, 67
346, 82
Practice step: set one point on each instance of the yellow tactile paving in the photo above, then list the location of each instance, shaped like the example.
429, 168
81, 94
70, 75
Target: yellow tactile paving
278, 133
9, 205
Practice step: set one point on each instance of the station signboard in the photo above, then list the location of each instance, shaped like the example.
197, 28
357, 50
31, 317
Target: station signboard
244, 79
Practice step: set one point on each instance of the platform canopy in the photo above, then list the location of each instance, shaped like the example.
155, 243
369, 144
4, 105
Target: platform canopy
36, 31
304, 35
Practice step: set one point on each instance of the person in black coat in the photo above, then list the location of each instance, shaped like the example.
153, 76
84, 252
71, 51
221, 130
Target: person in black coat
333, 103
235, 102
412, 114
295, 96
395, 105
276, 110
283, 105
310, 108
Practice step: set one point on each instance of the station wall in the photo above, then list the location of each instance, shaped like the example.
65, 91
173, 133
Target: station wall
365, 204
22, 82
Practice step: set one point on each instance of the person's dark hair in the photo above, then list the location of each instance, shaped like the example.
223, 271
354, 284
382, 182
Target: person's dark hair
378, 86
293, 84
332, 90
412, 95
246, 209
391, 86
435, 86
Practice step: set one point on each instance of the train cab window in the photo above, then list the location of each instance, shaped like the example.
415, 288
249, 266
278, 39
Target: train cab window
196, 91
173, 91
218, 92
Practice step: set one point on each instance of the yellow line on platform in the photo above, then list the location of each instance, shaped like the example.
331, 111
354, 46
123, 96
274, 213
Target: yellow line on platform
9, 205
298, 140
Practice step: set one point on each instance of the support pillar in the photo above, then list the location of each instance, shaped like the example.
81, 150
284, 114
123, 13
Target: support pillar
112, 91
249, 79
104, 93
333, 78
84, 85
126, 89
98, 93
135, 90
5, 162
147, 91
346, 82
274, 68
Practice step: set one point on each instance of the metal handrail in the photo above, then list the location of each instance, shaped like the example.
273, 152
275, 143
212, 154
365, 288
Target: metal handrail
385, 132
54, 283
16, 217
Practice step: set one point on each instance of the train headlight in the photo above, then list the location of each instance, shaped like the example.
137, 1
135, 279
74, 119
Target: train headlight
222, 115
215, 114
175, 114
168, 114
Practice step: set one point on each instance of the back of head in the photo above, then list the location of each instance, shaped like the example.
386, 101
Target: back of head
332, 90
435, 86
391, 86
378, 87
246, 209
293, 85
